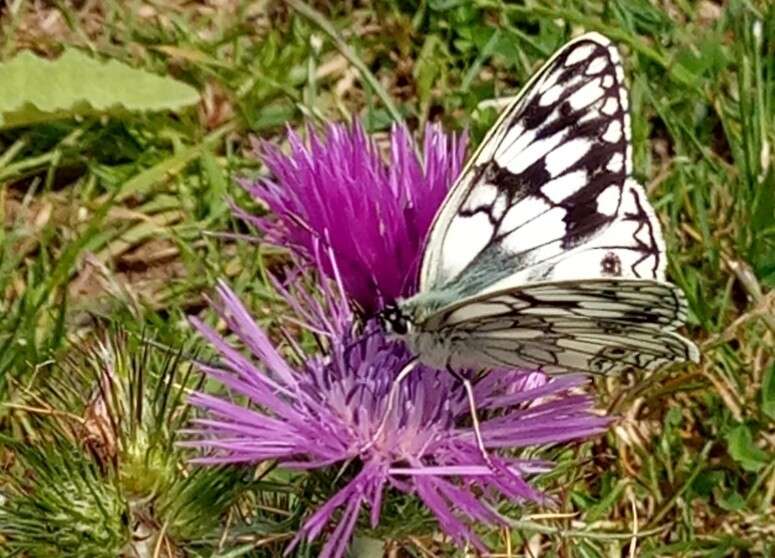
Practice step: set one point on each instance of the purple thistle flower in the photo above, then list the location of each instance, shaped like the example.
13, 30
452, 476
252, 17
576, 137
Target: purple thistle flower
337, 190
328, 411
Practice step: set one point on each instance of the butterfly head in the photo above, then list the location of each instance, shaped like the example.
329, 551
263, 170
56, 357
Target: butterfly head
393, 320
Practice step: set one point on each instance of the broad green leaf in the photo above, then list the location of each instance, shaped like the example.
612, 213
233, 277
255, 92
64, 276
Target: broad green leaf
34, 89
706, 482
743, 450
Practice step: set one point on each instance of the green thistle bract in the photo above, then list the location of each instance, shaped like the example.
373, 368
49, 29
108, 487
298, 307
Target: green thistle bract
98, 473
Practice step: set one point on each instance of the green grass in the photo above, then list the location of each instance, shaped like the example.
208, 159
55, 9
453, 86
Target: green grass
118, 219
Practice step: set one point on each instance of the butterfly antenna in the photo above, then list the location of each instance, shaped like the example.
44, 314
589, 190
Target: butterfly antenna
468, 386
405, 371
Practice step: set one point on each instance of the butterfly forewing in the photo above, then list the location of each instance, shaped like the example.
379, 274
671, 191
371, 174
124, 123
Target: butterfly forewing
547, 180
630, 247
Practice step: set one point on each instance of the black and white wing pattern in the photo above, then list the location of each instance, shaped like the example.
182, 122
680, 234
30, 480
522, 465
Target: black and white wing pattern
596, 325
546, 253
548, 195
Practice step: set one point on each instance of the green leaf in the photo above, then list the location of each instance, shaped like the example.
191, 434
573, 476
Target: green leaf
706, 482
428, 68
731, 502
217, 182
34, 89
599, 509
365, 547
743, 450
768, 392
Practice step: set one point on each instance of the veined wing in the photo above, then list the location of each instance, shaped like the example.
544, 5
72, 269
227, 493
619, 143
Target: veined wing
598, 325
580, 345
629, 301
549, 179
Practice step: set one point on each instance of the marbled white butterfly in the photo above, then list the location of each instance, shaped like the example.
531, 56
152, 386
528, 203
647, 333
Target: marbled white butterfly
546, 253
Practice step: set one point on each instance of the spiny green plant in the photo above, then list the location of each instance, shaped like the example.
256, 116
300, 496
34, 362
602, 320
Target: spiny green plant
96, 470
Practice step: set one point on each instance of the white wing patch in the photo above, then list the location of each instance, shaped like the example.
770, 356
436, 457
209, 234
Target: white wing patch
579, 54
469, 236
564, 156
608, 200
560, 188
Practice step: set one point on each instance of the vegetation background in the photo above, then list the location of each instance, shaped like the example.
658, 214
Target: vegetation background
115, 223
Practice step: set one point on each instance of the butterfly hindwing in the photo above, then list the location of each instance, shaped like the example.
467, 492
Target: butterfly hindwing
585, 347
549, 178
599, 325
628, 301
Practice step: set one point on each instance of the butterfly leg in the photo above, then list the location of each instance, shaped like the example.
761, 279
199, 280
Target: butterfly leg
474, 416
405, 371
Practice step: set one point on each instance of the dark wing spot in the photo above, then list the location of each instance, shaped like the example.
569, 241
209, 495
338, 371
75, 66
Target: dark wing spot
611, 265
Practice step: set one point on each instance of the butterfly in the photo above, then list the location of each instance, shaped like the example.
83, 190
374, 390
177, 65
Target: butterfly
546, 253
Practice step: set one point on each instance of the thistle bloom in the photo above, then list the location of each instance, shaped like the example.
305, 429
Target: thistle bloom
329, 410
372, 215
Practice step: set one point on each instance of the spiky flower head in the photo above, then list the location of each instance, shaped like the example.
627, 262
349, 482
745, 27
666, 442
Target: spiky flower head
372, 212
327, 411
103, 477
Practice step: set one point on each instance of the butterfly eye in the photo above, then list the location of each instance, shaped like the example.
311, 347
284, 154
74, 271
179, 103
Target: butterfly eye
399, 324
392, 320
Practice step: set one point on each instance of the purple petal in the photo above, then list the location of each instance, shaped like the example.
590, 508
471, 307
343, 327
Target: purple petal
374, 214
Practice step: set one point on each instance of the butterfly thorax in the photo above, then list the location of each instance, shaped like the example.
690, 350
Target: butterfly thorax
421, 306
